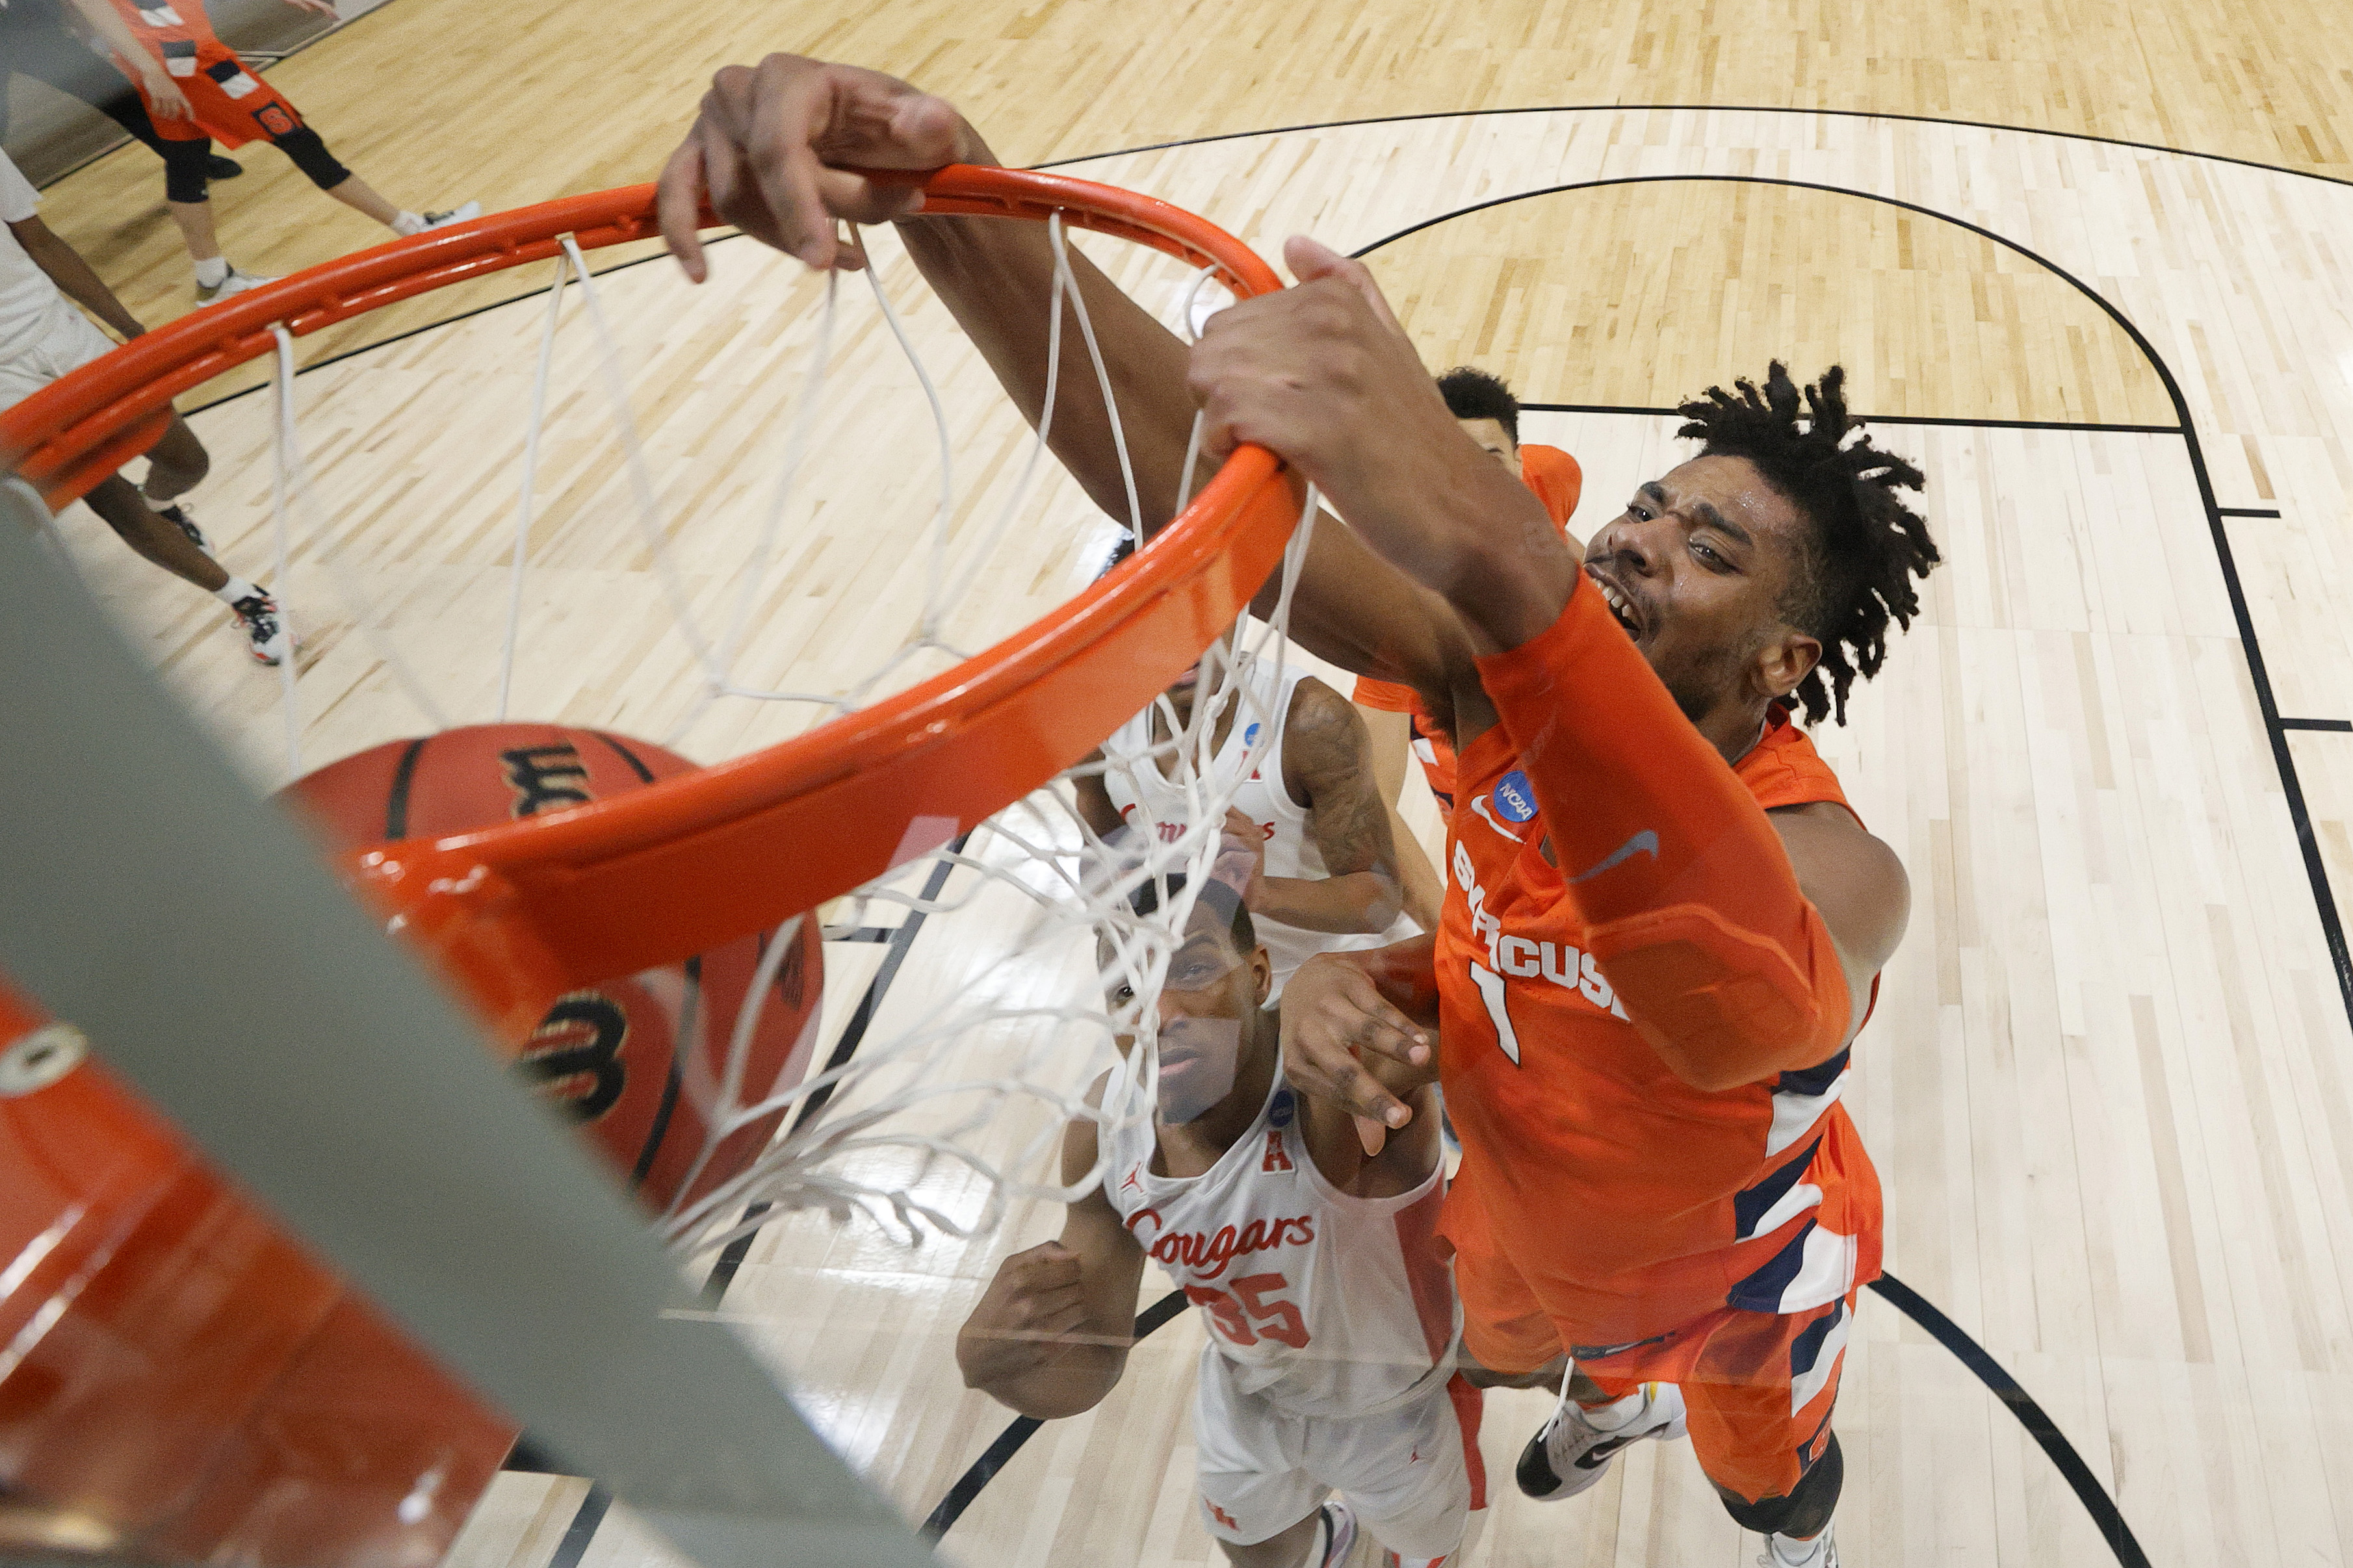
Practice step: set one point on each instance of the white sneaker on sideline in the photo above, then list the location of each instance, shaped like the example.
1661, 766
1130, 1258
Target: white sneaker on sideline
235, 283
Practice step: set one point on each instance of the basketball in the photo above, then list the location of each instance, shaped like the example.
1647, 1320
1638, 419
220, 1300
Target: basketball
639, 1062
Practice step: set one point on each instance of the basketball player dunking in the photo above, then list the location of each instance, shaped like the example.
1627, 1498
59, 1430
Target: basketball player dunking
1328, 877
1316, 1266
1664, 932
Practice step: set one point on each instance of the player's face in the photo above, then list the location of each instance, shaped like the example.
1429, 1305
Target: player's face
1214, 662
1494, 440
1697, 567
1211, 996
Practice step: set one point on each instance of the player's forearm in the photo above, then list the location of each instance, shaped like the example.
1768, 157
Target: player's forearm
996, 277
1357, 902
1423, 892
115, 33
1696, 917
1073, 1385
73, 277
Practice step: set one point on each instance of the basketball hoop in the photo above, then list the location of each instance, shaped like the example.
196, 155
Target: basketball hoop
520, 913
517, 912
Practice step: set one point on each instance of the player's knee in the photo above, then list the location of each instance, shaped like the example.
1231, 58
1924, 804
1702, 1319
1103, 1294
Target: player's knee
1805, 1512
179, 458
310, 155
185, 163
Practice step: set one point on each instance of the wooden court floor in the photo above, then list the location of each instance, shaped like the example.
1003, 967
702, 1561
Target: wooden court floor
2109, 1085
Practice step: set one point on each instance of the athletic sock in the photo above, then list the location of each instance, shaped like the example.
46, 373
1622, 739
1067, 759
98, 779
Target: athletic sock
234, 590
212, 271
1617, 1413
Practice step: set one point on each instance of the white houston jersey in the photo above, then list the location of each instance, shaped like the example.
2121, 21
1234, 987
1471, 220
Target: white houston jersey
1141, 791
1325, 1305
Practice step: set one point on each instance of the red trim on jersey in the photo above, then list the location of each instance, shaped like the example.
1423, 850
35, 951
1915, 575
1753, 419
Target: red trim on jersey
1469, 1405
1425, 1272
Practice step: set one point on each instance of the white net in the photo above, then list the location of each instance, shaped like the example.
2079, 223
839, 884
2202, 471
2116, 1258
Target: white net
672, 547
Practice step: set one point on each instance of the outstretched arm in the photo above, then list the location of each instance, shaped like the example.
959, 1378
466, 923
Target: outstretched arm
164, 94
73, 276
772, 149
1050, 1336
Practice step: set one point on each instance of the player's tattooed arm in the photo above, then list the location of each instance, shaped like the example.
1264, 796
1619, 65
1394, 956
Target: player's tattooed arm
1328, 767
1051, 1334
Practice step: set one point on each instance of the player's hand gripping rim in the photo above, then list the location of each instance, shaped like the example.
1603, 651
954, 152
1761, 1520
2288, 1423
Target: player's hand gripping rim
1333, 1017
772, 146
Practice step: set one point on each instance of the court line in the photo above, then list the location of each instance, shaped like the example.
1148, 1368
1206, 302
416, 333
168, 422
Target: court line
1700, 109
1940, 420
2332, 926
2106, 1516
854, 1035
2333, 726
593, 1507
1020, 1431
2248, 510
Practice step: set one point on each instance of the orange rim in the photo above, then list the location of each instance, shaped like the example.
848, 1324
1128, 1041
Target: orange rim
518, 912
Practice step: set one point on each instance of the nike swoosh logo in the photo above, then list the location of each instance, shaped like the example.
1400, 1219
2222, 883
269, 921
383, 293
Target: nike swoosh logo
1643, 843
1479, 804
1600, 1454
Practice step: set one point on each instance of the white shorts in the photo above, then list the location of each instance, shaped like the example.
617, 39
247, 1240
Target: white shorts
1412, 1475
63, 340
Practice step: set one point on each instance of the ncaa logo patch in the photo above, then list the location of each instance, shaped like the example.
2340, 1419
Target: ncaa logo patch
1250, 736
1514, 797
1280, 1113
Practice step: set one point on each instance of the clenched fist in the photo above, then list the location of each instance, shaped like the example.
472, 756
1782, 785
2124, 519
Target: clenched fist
1025, 1319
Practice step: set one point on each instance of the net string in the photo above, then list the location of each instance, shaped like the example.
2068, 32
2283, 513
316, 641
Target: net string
291, 491
530, 440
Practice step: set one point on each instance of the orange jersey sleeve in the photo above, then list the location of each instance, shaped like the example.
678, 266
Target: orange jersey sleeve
1555, 478
1388, 696
1695, 908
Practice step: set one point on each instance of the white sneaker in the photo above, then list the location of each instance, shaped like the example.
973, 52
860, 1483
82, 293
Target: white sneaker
235, 283
1339, 1534
1822, 1551
1569, 1453
265, 632
466, 212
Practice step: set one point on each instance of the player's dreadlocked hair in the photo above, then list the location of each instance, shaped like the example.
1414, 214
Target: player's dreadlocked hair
1867, 545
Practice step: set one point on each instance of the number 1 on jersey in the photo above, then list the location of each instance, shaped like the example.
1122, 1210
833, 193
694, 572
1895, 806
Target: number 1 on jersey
1490, 991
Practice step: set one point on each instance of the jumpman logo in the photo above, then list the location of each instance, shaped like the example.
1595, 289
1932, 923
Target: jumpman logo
1643, 843
1131, 1181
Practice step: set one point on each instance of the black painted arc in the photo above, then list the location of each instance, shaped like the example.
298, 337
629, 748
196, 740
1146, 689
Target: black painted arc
2106, 1516
1927, 419
2332, 927
1692, 108
582, 1529
983, 1470
396, 799
1387, 120
853, 1033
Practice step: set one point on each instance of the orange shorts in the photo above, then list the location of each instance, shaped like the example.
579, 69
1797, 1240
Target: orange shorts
230, 104
1759, 1386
